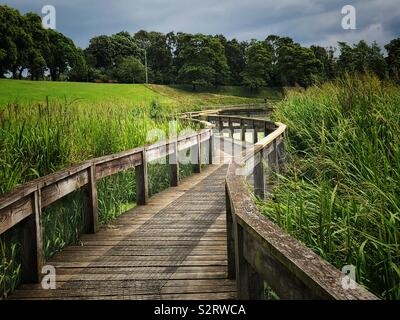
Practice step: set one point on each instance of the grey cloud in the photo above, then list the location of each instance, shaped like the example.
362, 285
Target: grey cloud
307, 21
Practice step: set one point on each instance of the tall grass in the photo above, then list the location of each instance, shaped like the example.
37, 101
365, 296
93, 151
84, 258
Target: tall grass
340, 194
38, 139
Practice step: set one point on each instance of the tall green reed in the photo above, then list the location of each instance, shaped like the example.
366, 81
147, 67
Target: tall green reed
340, 194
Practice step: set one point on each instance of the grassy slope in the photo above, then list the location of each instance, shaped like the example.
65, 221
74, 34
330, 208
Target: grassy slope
126, 94
215, 96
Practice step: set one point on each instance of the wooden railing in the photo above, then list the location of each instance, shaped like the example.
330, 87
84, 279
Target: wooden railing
23, 206
259, 252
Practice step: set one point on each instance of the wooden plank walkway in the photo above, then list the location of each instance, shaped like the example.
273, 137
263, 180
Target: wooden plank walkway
172, 248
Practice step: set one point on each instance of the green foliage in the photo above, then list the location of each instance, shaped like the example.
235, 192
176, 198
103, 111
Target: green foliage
200, 60
130, 70
361, 58
10, 268
340, 192
258, 67
393, 59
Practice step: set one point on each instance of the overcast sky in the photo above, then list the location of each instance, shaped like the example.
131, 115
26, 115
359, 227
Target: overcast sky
306, 21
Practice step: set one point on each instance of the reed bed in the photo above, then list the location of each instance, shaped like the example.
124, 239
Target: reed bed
340, 192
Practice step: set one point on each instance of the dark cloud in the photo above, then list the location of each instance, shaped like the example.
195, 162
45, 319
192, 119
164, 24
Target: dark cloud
307, 21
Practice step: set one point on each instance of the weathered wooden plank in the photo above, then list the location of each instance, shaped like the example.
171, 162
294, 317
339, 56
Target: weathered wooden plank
32, 243
142, 184
15, 213
60, 189
91, 203
113, 166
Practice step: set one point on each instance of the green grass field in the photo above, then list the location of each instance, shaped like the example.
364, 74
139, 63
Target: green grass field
22, 92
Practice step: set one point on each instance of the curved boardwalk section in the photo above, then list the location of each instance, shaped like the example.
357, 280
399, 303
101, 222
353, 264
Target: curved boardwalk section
173, 248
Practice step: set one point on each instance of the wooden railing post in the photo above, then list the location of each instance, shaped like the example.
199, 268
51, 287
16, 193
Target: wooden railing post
250, 286
255, 135
92, 207
259, 180
196, 155
174, 165
32, 256
230, 237
142, 186
243, 130
210, 148
273, 159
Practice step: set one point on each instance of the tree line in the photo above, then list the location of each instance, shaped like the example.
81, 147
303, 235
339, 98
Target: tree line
26, 49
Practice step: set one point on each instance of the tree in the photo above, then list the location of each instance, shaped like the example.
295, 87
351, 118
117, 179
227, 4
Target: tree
130, 70
327, 59
63, 54
275, 45
14, 41
361, 58
101, 52
235, 55
200, 60
79, 70
393, 59
159, 55
39, 51
298, 65
258, 67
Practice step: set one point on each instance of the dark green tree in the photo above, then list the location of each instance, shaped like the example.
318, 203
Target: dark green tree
200, 60
130, 70
361, 58
258, 67
63, 54
327, 58
393, 59
159, 55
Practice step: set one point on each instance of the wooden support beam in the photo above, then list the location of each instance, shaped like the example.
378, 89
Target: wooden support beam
91, 203
259, 179
32, 257
210, 149
243, 130
174, 165
142, 186
196, 156
250, 286
255, 135
230, 236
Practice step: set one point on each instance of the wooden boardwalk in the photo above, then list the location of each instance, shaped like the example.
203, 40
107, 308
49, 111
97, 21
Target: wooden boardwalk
172, 248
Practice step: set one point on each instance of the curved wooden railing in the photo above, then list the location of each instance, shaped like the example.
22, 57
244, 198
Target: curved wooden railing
260, 252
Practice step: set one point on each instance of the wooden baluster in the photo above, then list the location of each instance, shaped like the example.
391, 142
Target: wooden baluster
259, 180
243, 130
91, 203
32, 257
230, 236
174, 165
196, 156
211, 148
142, 186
